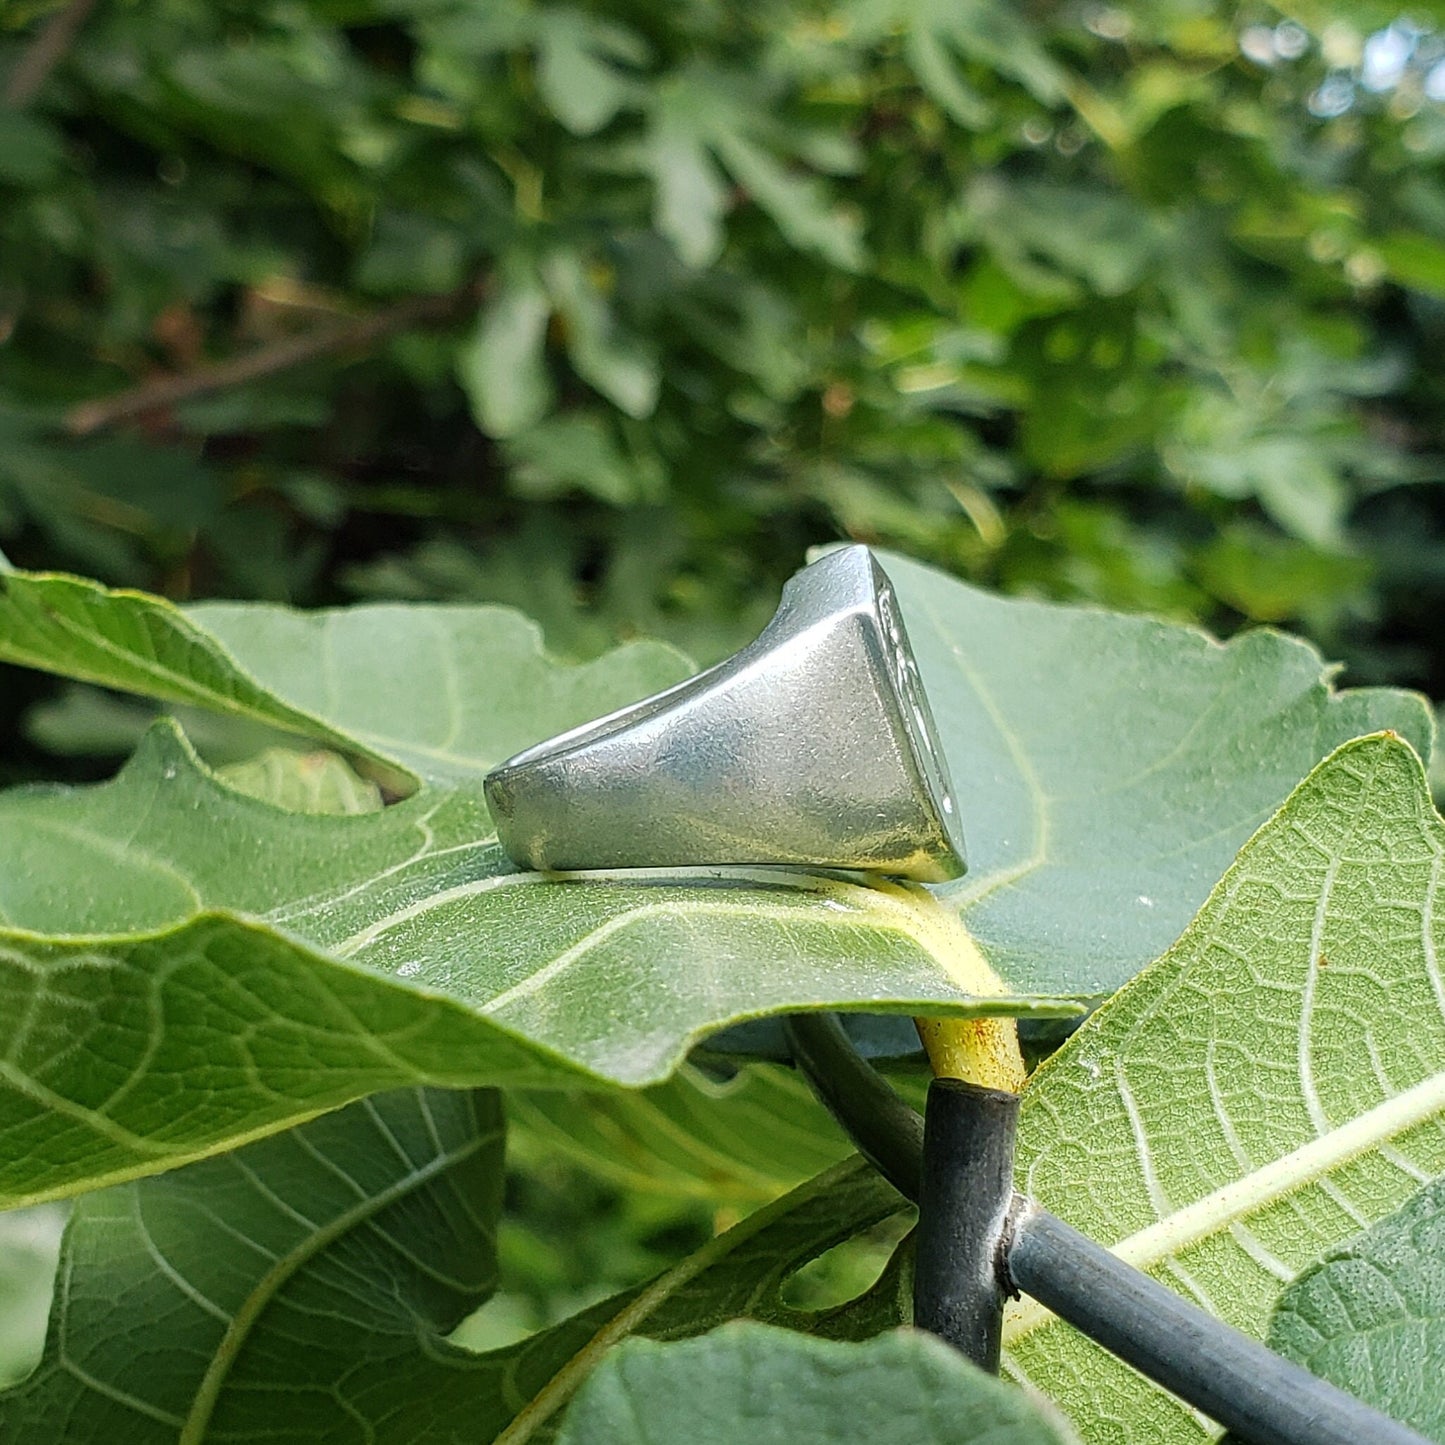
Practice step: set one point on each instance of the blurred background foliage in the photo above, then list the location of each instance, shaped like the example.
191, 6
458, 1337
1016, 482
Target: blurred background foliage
609, 309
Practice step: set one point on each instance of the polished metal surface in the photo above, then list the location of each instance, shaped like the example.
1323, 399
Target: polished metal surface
812, 747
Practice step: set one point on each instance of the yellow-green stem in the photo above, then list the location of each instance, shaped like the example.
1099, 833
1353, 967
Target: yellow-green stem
983, 1051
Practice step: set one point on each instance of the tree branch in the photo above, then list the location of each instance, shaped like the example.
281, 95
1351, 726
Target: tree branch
46, 51
361, 334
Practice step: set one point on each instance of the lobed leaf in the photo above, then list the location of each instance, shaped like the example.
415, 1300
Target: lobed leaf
237, 1272
738, 1275
142, 644
447, 691
183, 966
1108, 768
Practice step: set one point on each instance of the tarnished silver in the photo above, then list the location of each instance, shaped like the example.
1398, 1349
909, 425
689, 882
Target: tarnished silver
814, 746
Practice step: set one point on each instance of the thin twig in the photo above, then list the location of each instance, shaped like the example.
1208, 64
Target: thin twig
360, 334
46, 51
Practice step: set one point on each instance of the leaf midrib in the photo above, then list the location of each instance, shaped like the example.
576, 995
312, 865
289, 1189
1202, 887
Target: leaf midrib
1242, 1197
269, 1285
165, 677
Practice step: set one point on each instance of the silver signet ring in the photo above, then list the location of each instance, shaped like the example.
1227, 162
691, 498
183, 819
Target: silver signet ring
812, 747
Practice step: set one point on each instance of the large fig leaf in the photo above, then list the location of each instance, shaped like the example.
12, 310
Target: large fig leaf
1275, 1083
448, 691
297, 1290
203, 945
209, 1303
771, 1387
142, 644
1109, 768
185, 967
445, 691
738, 1275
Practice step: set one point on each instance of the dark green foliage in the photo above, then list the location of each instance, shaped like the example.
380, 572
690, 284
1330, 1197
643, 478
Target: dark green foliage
1132, 307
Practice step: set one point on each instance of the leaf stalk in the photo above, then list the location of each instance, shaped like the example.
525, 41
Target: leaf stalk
981, 1051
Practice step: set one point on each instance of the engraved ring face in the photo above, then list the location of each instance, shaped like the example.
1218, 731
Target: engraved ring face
812, 747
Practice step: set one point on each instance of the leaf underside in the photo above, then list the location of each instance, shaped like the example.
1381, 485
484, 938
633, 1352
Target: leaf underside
301, 1288
1252, 1099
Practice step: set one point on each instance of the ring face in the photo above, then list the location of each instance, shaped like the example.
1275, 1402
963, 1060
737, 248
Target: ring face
812, 747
